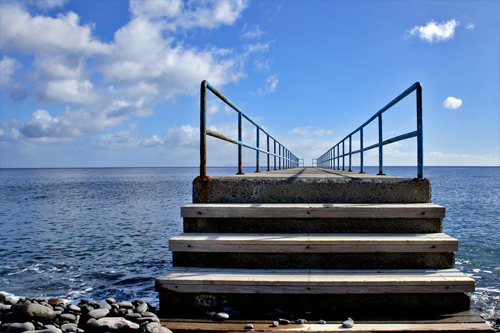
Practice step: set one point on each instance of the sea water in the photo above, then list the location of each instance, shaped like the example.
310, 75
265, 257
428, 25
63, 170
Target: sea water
97, 233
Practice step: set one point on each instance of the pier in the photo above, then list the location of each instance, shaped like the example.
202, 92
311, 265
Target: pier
317, 244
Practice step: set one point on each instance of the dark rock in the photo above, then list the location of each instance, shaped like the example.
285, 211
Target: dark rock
114, 323
20, 327
283, 321
115, 306
2, 298
35, 311
300, 321
91, 321
227, 308
98, 313
349, 323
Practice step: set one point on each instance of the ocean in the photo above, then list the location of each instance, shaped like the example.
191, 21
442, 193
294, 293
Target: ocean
96, 233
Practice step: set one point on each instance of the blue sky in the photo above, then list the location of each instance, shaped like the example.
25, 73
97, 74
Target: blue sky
114, 83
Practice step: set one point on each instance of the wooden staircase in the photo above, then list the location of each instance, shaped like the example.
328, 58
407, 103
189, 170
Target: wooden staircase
330, 261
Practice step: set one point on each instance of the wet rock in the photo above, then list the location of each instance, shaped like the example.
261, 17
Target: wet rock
283, 321
349, 323
110, 300
98, 313
141, 308
20, 327
35, 311
300, 321
114, 323
104, 305
221, 316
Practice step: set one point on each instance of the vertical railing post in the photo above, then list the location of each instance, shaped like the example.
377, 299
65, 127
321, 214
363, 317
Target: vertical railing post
268, 156
380, 148
361, 162
420, 134
343, 155
333, 158
257, 151
274, 154
279, 154
350, 151
240, 147
203, 129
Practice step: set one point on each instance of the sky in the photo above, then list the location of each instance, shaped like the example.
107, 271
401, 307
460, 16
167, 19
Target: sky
91, 83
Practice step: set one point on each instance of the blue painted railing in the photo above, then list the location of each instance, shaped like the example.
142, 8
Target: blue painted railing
328, 159
283, 158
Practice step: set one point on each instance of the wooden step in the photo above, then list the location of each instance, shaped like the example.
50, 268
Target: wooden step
262, 210
313, 243
308, 281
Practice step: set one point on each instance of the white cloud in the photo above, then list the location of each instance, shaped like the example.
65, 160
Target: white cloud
470, 26
7, 69
435, 32
310, 131
452, 103
255, 32
259, 47
271, 84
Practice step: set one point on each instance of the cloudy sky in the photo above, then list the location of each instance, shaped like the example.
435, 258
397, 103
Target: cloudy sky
90, 83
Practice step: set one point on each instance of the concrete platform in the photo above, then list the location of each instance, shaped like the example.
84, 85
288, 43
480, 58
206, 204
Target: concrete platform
310, 185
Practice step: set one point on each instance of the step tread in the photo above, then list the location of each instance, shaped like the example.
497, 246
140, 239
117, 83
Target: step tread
313, 243
317, 281
263, 210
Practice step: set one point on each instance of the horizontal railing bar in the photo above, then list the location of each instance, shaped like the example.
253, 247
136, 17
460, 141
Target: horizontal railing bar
228, 139
228, 102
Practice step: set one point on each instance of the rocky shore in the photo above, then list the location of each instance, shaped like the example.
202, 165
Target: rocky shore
41, 315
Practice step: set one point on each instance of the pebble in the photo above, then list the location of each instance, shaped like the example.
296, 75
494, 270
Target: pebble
114, 323
284, 321
34, 311
125, 305
275, 324
132, 316
20, 327
156, 328
300, 321
322, 322
5, 307
74, 308
54, 301
147, 319
349, 323
222, 316
68, 316
98, 314
249, 327
110, 300
104, 305
40, 299
148, 314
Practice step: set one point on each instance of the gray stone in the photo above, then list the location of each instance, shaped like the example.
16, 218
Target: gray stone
132, 316
35, 311
40, 299
275, 324
20, 327
349, 323
156, 328
322, 322
141, 308
47, 305
148, 314
69, 328
148, 319
50, 329
249, 327
104, 305
98, 313
300, 321
114, 323
221, 316
115, 306
5, 307
125, 305
68, 316
73, 308
111, 300
91, 321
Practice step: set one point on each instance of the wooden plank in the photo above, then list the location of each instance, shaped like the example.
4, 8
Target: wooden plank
241, 210
312, 243
243, 281
336, 327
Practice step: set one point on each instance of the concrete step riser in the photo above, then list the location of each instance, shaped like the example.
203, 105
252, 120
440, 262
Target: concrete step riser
315, 260
320, 225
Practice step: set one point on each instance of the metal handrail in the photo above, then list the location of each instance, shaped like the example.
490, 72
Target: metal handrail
283, 155
327, 160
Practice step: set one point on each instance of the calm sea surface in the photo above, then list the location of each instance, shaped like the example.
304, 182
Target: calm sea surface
96, 233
